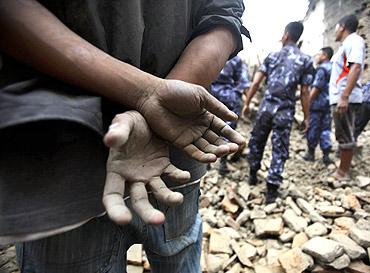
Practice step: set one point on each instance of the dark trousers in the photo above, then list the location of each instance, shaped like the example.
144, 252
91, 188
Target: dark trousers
280, 123
363, 117
319, 129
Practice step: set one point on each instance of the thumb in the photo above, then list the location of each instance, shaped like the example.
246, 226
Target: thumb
119, 131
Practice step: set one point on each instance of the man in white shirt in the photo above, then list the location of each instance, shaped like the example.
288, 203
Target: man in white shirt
345, 92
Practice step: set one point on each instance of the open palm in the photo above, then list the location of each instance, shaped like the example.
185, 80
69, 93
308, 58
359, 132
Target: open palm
137, 159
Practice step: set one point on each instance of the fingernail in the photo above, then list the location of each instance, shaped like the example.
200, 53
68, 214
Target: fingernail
113, 126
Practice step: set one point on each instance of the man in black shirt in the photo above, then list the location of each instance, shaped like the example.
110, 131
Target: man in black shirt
87, 61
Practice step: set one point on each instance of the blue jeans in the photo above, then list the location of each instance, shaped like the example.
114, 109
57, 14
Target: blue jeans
100, 246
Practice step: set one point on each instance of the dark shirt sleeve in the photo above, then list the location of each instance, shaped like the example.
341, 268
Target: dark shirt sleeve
320, 79
307, 76
214, 13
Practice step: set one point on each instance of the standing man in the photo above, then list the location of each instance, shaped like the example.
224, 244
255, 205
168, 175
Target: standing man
229, 87
345, 89
284, 70
319, 128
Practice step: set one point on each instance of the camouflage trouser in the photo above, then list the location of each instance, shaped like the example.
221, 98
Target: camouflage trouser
280, 123
319, 129
231, 98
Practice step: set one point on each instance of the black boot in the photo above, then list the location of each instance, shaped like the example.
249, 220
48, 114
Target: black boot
310, 155
223, 170
326, 158
272, 193
253, 180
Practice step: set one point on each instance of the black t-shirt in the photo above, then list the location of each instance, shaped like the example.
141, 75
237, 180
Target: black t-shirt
150, 35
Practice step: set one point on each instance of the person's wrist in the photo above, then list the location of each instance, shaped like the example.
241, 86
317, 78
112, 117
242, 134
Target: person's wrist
344, 97
150, 86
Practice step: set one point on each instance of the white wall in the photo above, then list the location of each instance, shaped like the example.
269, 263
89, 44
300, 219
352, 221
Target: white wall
314, 27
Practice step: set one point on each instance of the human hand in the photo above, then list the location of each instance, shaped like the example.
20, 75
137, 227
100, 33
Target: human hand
137, 159
305, 125
245, 110
342, 106
190, 118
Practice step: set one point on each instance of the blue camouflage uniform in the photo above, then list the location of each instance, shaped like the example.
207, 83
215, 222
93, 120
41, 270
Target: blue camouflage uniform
363, 115
230, 84
284, 70
319, 128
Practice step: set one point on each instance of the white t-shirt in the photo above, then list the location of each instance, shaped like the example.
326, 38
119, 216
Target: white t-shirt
351, 51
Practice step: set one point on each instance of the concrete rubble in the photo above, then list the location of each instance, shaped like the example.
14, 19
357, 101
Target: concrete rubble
316, 226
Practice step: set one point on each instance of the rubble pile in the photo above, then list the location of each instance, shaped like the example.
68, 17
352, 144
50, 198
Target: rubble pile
318, 224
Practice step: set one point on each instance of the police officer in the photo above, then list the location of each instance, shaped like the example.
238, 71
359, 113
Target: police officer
319, 128
284, 70
228, 88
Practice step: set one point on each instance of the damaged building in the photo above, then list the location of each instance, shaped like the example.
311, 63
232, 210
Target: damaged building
320, 21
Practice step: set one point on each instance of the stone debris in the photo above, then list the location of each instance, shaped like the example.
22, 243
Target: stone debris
289, 201
293, 221
295, 260
236, 268
351, 248
341, 263
299, 240
215, 262
228, 205
363, 181
232, 233
345, 223
316, 229
219, 243
135, 254
268, 269
268, 227
244, 191
363, 224
243, 217
331, 211
305, 206
244, 253
353, 202
363, 196
317, 225
258, 214
135, 268
358, 267
287, 236
270, 208
323, 249
362, 237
